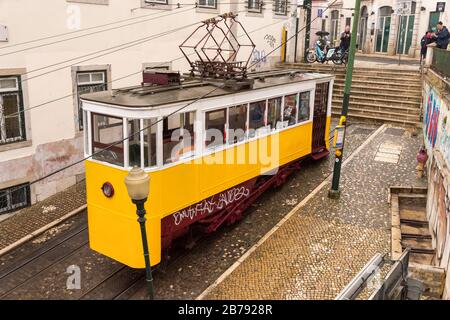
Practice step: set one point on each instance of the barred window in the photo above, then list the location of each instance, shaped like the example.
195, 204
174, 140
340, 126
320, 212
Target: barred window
280, 7
254, 5
210, 4
12, 120
88, 82
14, 198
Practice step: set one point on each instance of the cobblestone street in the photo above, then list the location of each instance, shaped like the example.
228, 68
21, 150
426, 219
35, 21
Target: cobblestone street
321, 247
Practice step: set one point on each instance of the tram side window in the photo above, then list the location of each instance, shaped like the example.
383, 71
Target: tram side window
178, 137
274, 113
215, 122
107, 132
256, 117
237, 123
304, 107
150, 129
134, 146
290, 109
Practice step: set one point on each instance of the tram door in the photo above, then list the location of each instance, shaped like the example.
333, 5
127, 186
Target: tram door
320, 118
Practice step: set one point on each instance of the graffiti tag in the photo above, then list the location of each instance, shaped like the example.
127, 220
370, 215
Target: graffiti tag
212, 204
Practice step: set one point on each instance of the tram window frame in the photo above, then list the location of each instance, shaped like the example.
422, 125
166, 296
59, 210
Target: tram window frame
299, 108
233, 138
254, 131
186, 127
149, 125
289, 123
98, 144
134, 139
279, 117
212, 144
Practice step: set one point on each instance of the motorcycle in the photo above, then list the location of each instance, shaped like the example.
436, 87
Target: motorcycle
323, 52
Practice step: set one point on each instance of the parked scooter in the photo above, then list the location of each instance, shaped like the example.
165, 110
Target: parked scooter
323, 52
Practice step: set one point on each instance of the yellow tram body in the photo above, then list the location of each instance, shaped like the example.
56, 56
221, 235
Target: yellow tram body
113, 227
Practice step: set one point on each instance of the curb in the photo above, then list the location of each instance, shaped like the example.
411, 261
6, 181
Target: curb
41, 230
282, 221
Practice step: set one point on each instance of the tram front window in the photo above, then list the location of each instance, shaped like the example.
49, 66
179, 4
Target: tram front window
107, 132
274, 113
178, 136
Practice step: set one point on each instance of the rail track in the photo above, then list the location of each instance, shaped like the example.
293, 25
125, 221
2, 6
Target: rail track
38, 268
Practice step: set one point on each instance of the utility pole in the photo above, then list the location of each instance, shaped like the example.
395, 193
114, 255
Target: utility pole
307, 4
340, 134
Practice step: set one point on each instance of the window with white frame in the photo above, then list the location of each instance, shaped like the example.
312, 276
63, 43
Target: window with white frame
280, 7
12, 120
88, 82
14, 198
210, 4
254, 5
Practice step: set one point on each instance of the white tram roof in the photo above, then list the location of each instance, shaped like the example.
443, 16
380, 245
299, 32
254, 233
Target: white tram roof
193, 88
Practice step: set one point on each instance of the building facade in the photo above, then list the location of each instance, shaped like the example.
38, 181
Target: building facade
50, 54
388, 27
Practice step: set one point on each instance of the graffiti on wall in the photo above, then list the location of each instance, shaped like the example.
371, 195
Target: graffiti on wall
259, 58
270, 39
432, 110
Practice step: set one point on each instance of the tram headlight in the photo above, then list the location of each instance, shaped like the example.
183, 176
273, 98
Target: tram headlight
108, 189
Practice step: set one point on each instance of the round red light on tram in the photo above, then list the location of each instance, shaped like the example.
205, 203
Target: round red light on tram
108, 189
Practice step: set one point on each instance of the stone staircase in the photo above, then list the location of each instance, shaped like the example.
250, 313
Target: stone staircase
380, 95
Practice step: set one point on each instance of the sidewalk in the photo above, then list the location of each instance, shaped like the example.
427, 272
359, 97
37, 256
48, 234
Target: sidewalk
386, 62
29, 221
323, 243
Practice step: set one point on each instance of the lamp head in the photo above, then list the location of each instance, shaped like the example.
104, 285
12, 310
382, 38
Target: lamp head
138, 184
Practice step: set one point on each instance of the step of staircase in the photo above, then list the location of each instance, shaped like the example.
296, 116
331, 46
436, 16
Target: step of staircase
379, 95
382, 84
382, 113
388, 89
379, 118
378, 100
375, 107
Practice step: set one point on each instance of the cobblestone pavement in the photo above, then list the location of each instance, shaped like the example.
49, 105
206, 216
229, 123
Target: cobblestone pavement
378, 61
30, 219
320, 248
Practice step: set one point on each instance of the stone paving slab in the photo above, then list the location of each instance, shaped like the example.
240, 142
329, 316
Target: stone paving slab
30, 219
323, 245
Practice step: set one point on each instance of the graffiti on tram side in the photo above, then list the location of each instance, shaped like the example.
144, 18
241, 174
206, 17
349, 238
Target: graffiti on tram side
212, 204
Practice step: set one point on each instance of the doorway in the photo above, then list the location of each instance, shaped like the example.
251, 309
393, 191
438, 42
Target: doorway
433, 21
383, 29
363, 28
320, 119
405, 33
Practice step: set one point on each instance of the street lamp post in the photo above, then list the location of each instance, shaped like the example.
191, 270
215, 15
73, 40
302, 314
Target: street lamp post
138, 186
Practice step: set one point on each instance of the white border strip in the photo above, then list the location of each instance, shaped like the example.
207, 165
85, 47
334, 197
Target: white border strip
41, 230
282, 221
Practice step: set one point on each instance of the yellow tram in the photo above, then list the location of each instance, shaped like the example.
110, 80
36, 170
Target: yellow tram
207, 162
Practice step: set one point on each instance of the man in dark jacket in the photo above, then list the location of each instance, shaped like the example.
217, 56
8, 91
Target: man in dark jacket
424, 42
345, 39
442, 36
